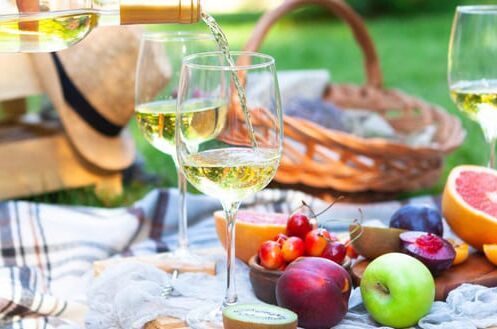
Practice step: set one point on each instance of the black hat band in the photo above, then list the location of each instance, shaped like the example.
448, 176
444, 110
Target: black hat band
81, 106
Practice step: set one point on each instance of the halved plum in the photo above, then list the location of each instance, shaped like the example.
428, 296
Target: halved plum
433, 251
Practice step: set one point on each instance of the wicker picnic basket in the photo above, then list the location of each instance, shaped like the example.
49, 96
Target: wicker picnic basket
317, 157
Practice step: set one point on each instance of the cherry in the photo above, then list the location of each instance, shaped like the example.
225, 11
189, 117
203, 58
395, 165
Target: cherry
335, 251
280, 238
351, 252
270, 255
298, 225
292, 249
315, 242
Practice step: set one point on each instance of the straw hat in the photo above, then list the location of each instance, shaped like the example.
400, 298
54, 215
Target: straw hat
91, 86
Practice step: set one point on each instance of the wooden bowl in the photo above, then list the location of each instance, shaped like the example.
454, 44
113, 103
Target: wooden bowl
264, 281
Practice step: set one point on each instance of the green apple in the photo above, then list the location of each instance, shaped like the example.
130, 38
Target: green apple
397, 290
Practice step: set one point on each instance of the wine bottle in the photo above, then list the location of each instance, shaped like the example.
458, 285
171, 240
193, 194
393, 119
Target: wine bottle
45, 26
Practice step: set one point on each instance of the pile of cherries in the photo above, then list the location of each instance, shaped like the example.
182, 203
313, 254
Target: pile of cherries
302, 238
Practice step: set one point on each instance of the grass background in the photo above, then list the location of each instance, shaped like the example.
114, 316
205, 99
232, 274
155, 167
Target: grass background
413, 55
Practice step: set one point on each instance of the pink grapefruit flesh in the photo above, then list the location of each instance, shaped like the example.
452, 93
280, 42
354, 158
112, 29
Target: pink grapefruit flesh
469, 204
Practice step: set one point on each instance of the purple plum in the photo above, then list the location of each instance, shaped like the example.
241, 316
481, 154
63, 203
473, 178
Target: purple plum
436, 253
418, 218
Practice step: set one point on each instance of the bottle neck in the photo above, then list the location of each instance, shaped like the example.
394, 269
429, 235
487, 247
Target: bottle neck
149, 12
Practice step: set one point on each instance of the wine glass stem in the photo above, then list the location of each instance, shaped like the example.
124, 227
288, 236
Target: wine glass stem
230, 210
491, 162
182, 218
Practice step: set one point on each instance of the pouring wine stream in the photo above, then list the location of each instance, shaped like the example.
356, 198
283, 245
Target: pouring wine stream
223, 45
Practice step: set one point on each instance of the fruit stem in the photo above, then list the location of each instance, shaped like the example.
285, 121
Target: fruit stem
314, 216
382, 288
357, 226
305, 205
339, 198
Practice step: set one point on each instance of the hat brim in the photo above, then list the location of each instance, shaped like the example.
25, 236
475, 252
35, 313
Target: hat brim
104, 152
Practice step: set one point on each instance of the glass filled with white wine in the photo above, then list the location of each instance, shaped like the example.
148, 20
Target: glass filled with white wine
472, 71
241, 105
157, 79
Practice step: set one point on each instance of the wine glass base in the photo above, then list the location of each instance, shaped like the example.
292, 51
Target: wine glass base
206, 317
178, 261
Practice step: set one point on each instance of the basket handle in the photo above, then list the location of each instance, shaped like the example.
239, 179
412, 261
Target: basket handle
374, 76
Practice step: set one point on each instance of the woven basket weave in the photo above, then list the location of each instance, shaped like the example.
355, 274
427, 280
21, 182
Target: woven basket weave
321, 158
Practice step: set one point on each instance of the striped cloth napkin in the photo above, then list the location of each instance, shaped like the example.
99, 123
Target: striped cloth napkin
47, 251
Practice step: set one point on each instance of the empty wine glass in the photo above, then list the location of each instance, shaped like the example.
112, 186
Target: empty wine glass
473, 68
157, 78
226, 150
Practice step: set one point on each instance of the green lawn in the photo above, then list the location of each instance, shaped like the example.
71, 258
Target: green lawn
413, 54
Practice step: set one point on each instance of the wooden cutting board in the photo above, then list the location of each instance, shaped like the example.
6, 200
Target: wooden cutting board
166, 323
476, 270
171, 323
161, 261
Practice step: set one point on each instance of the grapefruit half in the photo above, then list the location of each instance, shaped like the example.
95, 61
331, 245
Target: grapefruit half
469, 204
252, 229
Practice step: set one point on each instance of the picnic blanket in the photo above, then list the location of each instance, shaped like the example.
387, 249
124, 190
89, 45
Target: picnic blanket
47, 251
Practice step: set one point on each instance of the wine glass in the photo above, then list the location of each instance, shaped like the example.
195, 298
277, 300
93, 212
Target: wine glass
157, 78
473, 68
225, 149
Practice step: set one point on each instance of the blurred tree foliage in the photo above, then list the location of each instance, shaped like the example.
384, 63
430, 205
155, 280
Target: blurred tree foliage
379, 7
391, 7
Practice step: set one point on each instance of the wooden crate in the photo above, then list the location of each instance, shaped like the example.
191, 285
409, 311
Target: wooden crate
38, 158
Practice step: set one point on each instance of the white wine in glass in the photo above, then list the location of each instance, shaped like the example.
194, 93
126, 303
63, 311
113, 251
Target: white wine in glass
478, 100
472, 69
233, 166
231, 173
157, 121
155, 108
